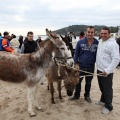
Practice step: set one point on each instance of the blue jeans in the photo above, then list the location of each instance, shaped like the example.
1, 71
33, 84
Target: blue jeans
88, 80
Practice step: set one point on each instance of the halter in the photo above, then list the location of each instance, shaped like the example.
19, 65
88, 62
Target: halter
57, 62
55, 58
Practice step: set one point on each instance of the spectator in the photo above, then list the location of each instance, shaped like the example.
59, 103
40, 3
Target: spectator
29, 46
20, 41
82, 35
14, 43
6, 43
1, 41
39, 40
70, 40
0, 35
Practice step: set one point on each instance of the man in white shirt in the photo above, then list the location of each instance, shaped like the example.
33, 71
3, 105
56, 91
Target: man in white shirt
71, 39
14, 43
107, 59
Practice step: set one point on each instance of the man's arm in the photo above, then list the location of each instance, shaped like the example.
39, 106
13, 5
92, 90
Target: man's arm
77, 52
115, 55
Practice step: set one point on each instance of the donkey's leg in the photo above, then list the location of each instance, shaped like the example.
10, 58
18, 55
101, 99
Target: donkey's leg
36, 98
48, 86
30, 97
52, 93
59, 89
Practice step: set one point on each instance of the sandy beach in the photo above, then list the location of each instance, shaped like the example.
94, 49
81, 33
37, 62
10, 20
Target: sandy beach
13, 103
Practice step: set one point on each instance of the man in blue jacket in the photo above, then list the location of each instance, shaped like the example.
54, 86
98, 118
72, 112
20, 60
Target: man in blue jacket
85, 54
1, 48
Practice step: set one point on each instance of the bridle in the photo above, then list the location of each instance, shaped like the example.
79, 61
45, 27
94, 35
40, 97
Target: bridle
62, 63
56, 61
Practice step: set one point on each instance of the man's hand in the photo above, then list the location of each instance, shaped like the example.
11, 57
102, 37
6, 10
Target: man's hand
104, 73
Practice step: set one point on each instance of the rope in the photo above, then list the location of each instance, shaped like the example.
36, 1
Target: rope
59, 70
92, 74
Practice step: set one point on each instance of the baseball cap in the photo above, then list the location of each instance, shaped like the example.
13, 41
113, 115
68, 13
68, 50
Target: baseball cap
5, 33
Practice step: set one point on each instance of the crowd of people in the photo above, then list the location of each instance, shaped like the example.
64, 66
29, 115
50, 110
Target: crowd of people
11, 44
88, 51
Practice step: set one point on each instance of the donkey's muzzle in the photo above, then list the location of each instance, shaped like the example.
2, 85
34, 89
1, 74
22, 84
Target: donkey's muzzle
69, 93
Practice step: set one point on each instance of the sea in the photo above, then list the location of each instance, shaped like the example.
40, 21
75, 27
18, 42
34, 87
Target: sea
44, 37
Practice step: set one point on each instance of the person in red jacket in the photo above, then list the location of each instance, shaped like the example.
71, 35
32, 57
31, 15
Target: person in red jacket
6, 43
82, 35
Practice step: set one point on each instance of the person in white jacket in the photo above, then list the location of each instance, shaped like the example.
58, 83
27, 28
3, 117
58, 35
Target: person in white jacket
107, 60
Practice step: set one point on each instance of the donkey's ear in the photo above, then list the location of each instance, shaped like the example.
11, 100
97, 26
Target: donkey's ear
61, 37
76, 66
52, 36
47, 32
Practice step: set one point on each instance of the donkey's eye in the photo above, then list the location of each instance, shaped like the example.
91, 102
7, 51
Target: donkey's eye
62, 48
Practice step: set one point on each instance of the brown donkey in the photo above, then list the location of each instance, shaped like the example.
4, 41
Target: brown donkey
32, 68
57, 74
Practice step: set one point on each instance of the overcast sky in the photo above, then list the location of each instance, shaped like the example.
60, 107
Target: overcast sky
20, 16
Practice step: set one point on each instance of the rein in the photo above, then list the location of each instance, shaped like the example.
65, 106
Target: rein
91, 74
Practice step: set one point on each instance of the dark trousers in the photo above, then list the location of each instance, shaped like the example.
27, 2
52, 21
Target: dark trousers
118, 65
105, 85
87, 84
71, 49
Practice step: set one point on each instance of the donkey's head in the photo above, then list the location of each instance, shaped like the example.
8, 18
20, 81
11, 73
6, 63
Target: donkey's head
65, 39
72, 79
60, 50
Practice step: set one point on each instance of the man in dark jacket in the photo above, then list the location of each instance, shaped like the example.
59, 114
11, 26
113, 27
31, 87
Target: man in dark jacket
29, 45
85, 54
70, 40
39, 40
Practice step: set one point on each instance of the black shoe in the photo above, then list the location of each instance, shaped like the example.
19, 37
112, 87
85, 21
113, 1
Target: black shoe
74, 98
88, 99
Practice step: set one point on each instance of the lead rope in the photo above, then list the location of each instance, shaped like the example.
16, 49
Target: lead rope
58, 71
92, 74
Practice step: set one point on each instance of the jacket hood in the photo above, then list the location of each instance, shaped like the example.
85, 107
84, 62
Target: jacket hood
111, 39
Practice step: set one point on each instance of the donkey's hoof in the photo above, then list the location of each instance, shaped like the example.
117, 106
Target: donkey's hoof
40, 109
60, 98
32, 114
53, 102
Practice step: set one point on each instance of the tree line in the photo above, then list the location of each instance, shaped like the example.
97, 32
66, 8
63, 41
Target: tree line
76, 29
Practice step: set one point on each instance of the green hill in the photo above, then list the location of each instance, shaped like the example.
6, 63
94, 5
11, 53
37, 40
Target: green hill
78, 28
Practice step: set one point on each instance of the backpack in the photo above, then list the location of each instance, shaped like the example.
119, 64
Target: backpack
1, 38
